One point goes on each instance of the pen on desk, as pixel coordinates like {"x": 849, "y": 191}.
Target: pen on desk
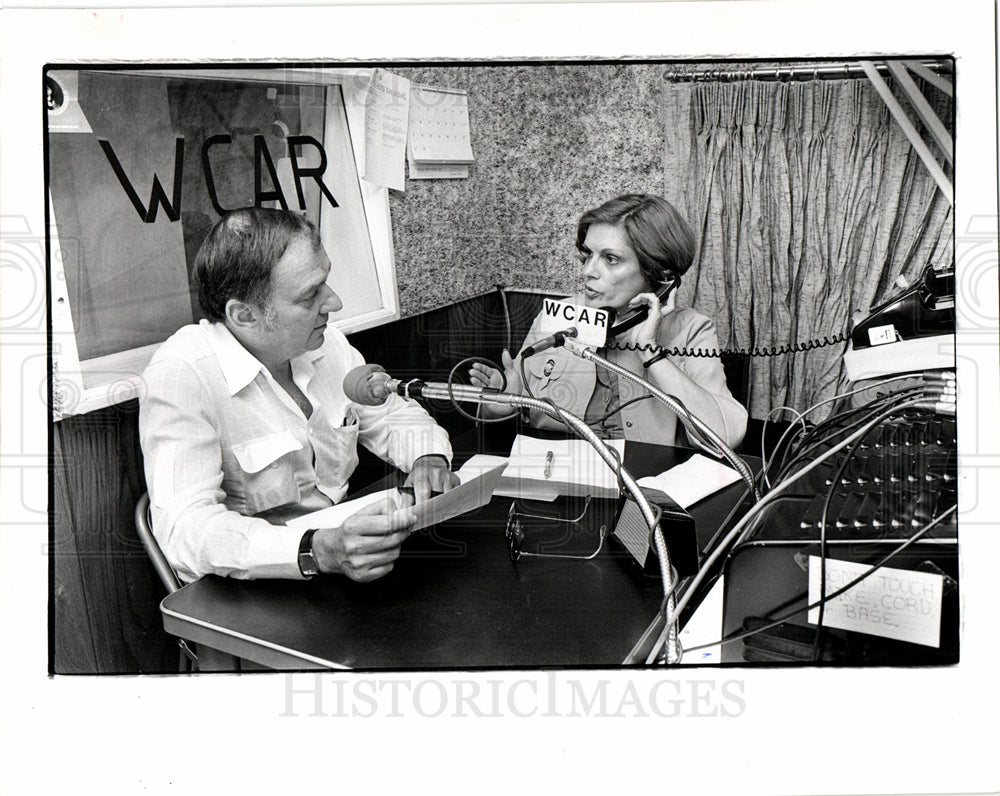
{"x": 548, "y": 464}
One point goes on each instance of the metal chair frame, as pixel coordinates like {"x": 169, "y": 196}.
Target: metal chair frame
{"x": 144, "y": 529}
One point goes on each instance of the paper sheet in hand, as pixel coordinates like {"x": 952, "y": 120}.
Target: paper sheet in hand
{"x": 479, "y": 465}
{"x": 693, "y": 480}
{"x": 334, "y": 516}
{"x": 468, "y": 496}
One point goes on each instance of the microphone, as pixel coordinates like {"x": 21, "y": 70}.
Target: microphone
{"x": 552, "y": 341}
{"x": 439, "y": 390}
{"x": 370, "y": 385}
{"x": 367, "y": 385}
{"x": 596, "y": 331}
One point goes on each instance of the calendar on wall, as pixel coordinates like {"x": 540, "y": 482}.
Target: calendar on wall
{"x": 439, "y": 140}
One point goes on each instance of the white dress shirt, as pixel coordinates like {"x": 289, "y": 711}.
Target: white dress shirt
{"x": 230, "y": 457}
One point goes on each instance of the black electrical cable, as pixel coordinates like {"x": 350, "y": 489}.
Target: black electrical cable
{"x": 850, "y": 585}
{"x": 524, "y": 378}
{"x": 798, "y": 423}
{"x": 737, "y": 531}
{"x": 527, "y": 389}
{"x": 832, "y": 437}
{"x": 843, "y": 417}
{"x": 848, "y": 457}
{"x": 457, "y": 406}
{"x": 615, "y": 411}
{"x": 756, "y": 521}
{"x": 829, "y": 438}
{"x": 508, "y": 332}
{"x": 614, "y": 451}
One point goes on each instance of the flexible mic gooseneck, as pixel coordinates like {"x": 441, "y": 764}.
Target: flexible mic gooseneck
{"x": 376, "y": 383}
{"x": 370, "y": 385}
{"x": 673, "y": 403}
{"x": 552, "y": 341}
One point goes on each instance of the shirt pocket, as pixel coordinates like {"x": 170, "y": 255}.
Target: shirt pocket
{"x": 267, "y": 481}
{"x": 336, "y": 450}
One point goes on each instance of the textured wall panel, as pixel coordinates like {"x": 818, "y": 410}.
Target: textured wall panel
{"x": 550, "y": 141}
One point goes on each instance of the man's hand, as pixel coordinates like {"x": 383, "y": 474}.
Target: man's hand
{"x": 366, "y": 546}
{"x": 430, "y": 474}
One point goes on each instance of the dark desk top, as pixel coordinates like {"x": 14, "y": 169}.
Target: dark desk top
{"x": 454, "y": 598}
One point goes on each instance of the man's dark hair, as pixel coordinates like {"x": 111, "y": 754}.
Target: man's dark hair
{"x": 237, "y": 257}
{"x": 659, "y": 235}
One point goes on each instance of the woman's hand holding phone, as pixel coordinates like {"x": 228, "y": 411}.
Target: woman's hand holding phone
{"x": 645, "y": 333}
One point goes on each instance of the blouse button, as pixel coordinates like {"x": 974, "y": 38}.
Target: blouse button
{"x": 628, "y": 423}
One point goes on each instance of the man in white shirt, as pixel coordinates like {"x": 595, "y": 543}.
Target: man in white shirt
{"x": 244, "y": 423}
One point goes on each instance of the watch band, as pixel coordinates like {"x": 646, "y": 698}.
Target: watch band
{"x": 307, "y": 561}
{"x": 652, "y": 360}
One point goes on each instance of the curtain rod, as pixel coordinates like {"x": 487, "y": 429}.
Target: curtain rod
{"x": 844, "y": 70}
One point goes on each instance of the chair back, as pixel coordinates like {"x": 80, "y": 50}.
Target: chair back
{"x": 737, "y": 369}
{"x": 144, "y": 528}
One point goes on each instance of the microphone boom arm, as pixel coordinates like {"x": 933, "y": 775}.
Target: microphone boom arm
{"x": 674, "y": 404}
{"x": 416, "y": 388}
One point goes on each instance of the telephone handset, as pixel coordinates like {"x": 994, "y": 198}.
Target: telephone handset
{"x": 635, "y": 317}
{"x": 924, "y": 309}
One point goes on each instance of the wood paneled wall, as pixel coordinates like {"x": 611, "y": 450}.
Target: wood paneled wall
{"x": 105, "y": 594}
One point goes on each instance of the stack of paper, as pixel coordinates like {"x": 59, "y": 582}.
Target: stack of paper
{"x": 540, "y": 469}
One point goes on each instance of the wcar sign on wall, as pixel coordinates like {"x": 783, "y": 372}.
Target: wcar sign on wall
{"x": 141, "y": 164}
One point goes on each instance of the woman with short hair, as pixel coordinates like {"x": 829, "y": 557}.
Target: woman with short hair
{"x": 632, "y": 249}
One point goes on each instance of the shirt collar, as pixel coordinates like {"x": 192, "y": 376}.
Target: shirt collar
{"x": 239, "y": 366}
{"x": 304, "y": 365}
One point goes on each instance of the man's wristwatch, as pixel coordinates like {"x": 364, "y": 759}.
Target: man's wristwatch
{"x": 307, "y": 561}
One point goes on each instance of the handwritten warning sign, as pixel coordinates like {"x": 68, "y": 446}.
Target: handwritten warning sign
{"x": 892, "y": 603}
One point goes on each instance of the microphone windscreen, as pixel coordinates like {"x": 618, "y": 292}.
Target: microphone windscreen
{"x": 359, "y": 388}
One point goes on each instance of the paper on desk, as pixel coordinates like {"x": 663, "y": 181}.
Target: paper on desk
{"x": 508, "y": 487}
{"x": 693, "y": 480}
{"x": 568, "y": 465}
{"x": 573, "y": 468}
{"x": 468, "y": 496}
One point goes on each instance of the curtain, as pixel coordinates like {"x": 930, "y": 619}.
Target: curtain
{"x": 809, "y": 204}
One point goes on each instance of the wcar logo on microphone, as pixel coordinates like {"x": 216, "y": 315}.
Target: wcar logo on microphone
{"x": 591, "y": 324}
